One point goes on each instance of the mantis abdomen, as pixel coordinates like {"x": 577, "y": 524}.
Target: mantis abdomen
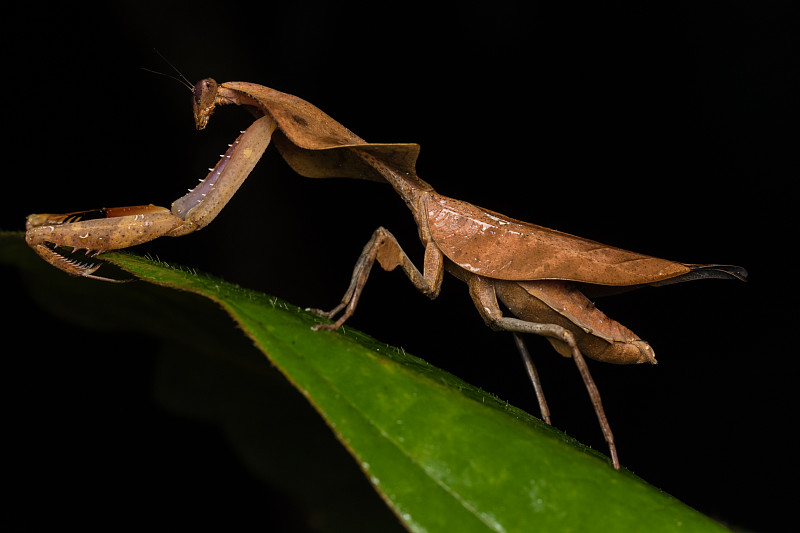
{"x": 560, "y": 302}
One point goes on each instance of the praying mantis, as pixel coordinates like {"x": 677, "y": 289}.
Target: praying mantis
{"x": 542, "y": 276}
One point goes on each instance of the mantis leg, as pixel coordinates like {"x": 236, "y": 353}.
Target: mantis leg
{"x": 384, "y": 247}
{"x": 101, "y": 230}
{"x": 483, "y": 294}
{"x": 533, "y": 374}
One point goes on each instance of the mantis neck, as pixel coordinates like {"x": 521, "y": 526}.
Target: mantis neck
{"x": 275, "y": 104}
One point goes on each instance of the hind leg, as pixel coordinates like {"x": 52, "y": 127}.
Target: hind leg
{"x": 483, "y": 294}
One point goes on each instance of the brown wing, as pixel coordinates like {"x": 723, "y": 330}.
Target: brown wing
{"x": 499, "y": 247}
{"x": 315, "y": 145}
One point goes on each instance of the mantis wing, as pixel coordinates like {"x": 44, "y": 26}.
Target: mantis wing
{"x": 499, "y": 247}
{"x": 476, "y": 239}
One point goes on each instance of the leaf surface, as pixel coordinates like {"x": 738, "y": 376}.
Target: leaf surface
{"x": 444, "y": 455}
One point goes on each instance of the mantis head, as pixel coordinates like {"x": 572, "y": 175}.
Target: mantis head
{"x": 204, "y": 99}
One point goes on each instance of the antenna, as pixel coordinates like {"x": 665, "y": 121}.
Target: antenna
{"x": 180, "y": 78}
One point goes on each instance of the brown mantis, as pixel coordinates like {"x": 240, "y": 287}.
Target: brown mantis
{"x": 540, "y": 275}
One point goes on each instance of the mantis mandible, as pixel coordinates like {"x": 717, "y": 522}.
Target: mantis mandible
{"x": 542, "y": 276}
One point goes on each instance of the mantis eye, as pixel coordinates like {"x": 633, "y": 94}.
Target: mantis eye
{"x": 204, "y": 92}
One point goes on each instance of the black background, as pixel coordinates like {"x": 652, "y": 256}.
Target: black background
{"x": 666, "y": 129}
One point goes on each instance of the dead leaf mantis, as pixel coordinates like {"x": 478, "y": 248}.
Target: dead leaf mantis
{"x": 540, "y": 275}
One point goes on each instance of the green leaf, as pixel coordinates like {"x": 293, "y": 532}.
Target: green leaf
{"x": 445, "y": 456}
